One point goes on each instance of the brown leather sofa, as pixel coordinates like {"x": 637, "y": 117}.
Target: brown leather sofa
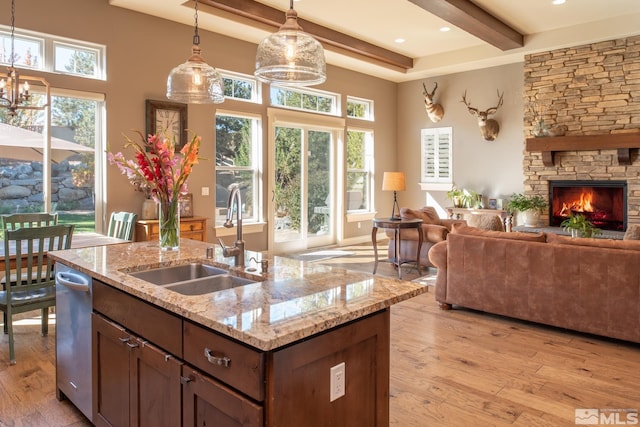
{"x": 433, "y": 230}
{"x": 587, "y": 285}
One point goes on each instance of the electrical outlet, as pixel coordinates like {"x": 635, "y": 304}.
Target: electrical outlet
{"x": 205, "y": 191}
{"x": 337, "y": 382}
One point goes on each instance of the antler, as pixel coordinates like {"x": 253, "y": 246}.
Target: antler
{"x": 426, "y": 92}
{"x": 494, "y": 109}
{"x": 472, "y": 110}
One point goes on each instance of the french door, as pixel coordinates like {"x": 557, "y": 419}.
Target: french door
{"x": 302, "y": 193}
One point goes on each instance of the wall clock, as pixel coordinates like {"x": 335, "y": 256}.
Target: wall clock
{"x": 169, "y": 118}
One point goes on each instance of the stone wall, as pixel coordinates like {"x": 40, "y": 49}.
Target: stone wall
{"x": 21, "y": 188}
{"x": 585, "y": 90}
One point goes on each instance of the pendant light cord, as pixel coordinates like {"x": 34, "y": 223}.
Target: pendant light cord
{"x": 196, "y": 36}
{"x": 13, "y": 27}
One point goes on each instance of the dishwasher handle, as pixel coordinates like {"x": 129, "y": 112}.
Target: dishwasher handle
{"x": 72, "y": 281}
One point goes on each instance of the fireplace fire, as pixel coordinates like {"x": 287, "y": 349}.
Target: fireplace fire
{"x": 604, "y": 203}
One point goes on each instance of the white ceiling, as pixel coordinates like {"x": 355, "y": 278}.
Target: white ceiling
{"x": 380, "y": 22}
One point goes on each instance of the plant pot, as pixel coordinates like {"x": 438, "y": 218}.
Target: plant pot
{"x": 531, "y": 218}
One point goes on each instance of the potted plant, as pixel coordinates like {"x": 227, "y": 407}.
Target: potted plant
{"x": 529, "y": 206}
{"x": 579, "y": 226}
{"x": 456, "y": 195}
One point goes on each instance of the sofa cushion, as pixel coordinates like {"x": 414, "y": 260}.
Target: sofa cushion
{"x": 486, "y": 222}
{"x": 427, "y": 214}
{"x": 632, "y": 233}
{"x": 472, "y": 231}
{"x": 597, "y": 243}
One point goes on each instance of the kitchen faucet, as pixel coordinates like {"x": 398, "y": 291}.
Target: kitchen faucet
{"x": 237, "y": 250}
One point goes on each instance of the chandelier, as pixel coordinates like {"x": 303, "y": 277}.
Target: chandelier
{"x": 14, "y": 89}
{"x": 291, "y": 56}
{"x": 195, "y": 81}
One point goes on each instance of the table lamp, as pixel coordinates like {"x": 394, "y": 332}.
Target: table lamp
{"x": 394, "y": 181}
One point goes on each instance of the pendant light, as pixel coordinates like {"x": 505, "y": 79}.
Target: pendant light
{"x": 195, "y": 81}
{"x": 14, "y": 89}
{"x": 291, "y": 56}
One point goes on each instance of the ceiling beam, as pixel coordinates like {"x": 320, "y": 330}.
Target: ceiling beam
{"x": 474, "y": 20}
{"x": 272, "y": 17}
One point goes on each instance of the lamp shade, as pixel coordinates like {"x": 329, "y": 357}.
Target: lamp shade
{"x": 393, "y": 181}
{"x": 195, "y": 82}
{"x": 291, "y": 56}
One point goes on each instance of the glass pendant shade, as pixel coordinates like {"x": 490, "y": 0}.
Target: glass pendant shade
{"x": 195, "y": 82}
{"x": 291, "y": 56}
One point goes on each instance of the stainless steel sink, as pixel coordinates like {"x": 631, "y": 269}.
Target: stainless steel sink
{"x": 178, "y": 273}
{"x": 207, "y": 285}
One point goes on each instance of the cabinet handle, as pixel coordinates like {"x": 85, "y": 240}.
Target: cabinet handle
{"x": 124, "y": 340}
{"x": 220, "y": 361}
{"x": 191, "y": 227}
{"x": 132, "y": 344}
{"x": 185, "y": 380}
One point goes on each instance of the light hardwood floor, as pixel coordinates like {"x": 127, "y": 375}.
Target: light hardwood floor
{"x": 448, "y": 368}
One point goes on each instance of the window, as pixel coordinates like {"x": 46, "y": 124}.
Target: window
{"x": 359, "y": 170}
{"x": 237, "y": 162}
{"x": 436, "y": 155}
{"x": 305, "y": 99}
{"x": 76, "y": 60}
{"x": 53, "y": 54}
{"x": 240, "y": 86}
{"x": 28, "y": 51}
{"x": 359, "y": 108}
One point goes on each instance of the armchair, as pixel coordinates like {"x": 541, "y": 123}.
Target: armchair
{"x": 433, "y": 229}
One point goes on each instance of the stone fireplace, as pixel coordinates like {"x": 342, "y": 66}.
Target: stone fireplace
{"x": 604, "y": 203}
{"x": 590, "y": 92}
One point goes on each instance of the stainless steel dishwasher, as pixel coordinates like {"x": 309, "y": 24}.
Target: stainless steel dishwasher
{"x": 73, "y": 338}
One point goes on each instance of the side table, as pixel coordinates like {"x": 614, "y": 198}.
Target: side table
{"x": 396, "y": 226}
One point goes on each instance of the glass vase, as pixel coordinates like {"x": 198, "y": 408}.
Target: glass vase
{"x": 169, "y": 219}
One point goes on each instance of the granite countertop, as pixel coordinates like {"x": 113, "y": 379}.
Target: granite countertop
{"x": 292, "y": 301}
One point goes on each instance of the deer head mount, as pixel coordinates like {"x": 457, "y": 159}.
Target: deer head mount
{"x": 489, "y": 128}
{"x": 434, "y": 111}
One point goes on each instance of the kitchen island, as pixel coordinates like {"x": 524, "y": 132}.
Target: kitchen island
{"x": 302, "y": 344}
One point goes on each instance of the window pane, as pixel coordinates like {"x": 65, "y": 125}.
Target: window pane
{"x": 359, "y": 108}
{"x": 233, "y": 141}
{"x": 357, "y": 190}
{"x": 73, "y": 60}
{"x": 27, "y": 51}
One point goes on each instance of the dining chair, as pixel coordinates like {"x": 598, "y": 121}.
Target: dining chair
{"x": 31, "y": 284}
{"x": 122, "y": 225}
{"x": 27, "y": 220}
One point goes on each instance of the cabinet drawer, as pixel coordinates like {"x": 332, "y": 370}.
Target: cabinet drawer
{"x": 245, "y": 370}
{"x": 154, "y": 324}
{"x": 187, "y": 225}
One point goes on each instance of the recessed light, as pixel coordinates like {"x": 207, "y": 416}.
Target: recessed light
{"x": 445, "y": 29}
{"x": 557, "y": 2}
{"x": 399, "y": 40}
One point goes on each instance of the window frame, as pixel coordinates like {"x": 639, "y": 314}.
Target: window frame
{"x": 257, "y": 168}
{"x": 442, "y": 136}
{"x": 49, "y": 43}
{"x": 334, "y": 97}
{"x": 256, "y": 87}
{"x": 369, "y": 163}
{"x": 368, "y": 103}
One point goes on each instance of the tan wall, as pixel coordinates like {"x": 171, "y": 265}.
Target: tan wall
{"x": 492, "y": 169}
{"x": 141, "y": 50}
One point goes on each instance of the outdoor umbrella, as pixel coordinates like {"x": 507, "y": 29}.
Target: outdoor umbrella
{"x": 22, "y": 144}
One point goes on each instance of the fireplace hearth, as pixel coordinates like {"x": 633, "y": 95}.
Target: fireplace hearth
{"x": 604, "y": 203}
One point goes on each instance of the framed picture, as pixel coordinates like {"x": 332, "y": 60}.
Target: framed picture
{"x": 493, "y": 204}
{"x": 169, "y": 118}
{"x": 186, "y": 205}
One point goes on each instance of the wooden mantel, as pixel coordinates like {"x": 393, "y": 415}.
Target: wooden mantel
{"x": 623, "y": 142}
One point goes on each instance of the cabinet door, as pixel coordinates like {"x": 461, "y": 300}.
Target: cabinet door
{"x": 111, "y": 348}
{"x": 155, "y": 387}
{"x": 206, "y": 402}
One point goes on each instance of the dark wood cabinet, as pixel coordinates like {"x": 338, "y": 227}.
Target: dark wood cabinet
{"x": 194, "y": 228}
{"x": 193, "y": 376}
{"x": 207, "y": 402}
{"x": 136, "y": 384}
